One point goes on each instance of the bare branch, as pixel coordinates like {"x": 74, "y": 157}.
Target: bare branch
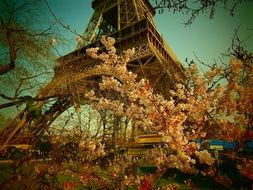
{"x": 195, "y": 8}
{"x": 60, "y": 22}
{"x": 23, "y": 41}
{"x": 21, "y": 100}
{"x": 201, "y": 61}
{"x": 9, "y": 104}
{"x": 21, "y": 82}
{"x": 12, "y": 52}
{"x": 238, "y": 49}
{"x": 6, "y": 97}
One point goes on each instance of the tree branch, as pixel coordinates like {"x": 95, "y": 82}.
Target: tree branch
{"x": 12, "y": 53}
{"x": 194, "y": 8}
{"x": 21, "y": 100}
{"x": 61, "y": 23}
{"x": 9, "y": 104}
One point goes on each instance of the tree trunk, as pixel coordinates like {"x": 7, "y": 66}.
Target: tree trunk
{"x": 12, "y": 51}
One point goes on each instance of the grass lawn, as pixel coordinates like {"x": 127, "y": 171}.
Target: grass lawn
{"x": 172, "y": 176}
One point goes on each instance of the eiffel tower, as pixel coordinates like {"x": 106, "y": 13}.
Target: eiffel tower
{"x": 131, "y": 24}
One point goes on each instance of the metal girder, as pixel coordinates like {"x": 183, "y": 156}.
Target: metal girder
{"x": 127, "y": 13}
{"x": 130, "y": 22}
{"x": 28, "y": 129}
{"x": 91, "y": 29}
{"x": 141, "y": 52}
{"x": 132, "y": 11}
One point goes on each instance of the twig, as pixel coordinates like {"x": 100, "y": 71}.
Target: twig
{"x": 201, "y": 61}
{"x": 60, "y": 22}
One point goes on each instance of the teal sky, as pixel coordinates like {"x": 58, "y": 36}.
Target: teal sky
{"x": 207, "y": 38}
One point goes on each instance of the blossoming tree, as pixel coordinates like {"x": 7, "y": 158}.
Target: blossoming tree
{"x": 203, "y": 109}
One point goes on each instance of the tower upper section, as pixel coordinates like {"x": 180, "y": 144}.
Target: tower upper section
{"x": 111, "y": 16}
{"x": 122, "y": 13}
{"x": 130, "y": 23}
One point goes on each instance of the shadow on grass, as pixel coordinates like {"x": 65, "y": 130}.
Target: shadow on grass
{"x": 199, "y": 182}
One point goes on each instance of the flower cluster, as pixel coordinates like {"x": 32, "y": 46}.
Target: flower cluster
{"x": 205, "y": 157}
{"x": 151, "y": 112}
{"x": 205, "y": 109}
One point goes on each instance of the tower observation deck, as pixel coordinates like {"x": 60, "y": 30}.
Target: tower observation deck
{"x": 131, "y": 23}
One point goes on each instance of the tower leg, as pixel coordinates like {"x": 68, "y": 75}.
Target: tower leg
{"x": 115, "y": 132}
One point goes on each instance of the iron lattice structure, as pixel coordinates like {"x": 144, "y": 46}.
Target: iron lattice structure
{"x": 131, "y": 23}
